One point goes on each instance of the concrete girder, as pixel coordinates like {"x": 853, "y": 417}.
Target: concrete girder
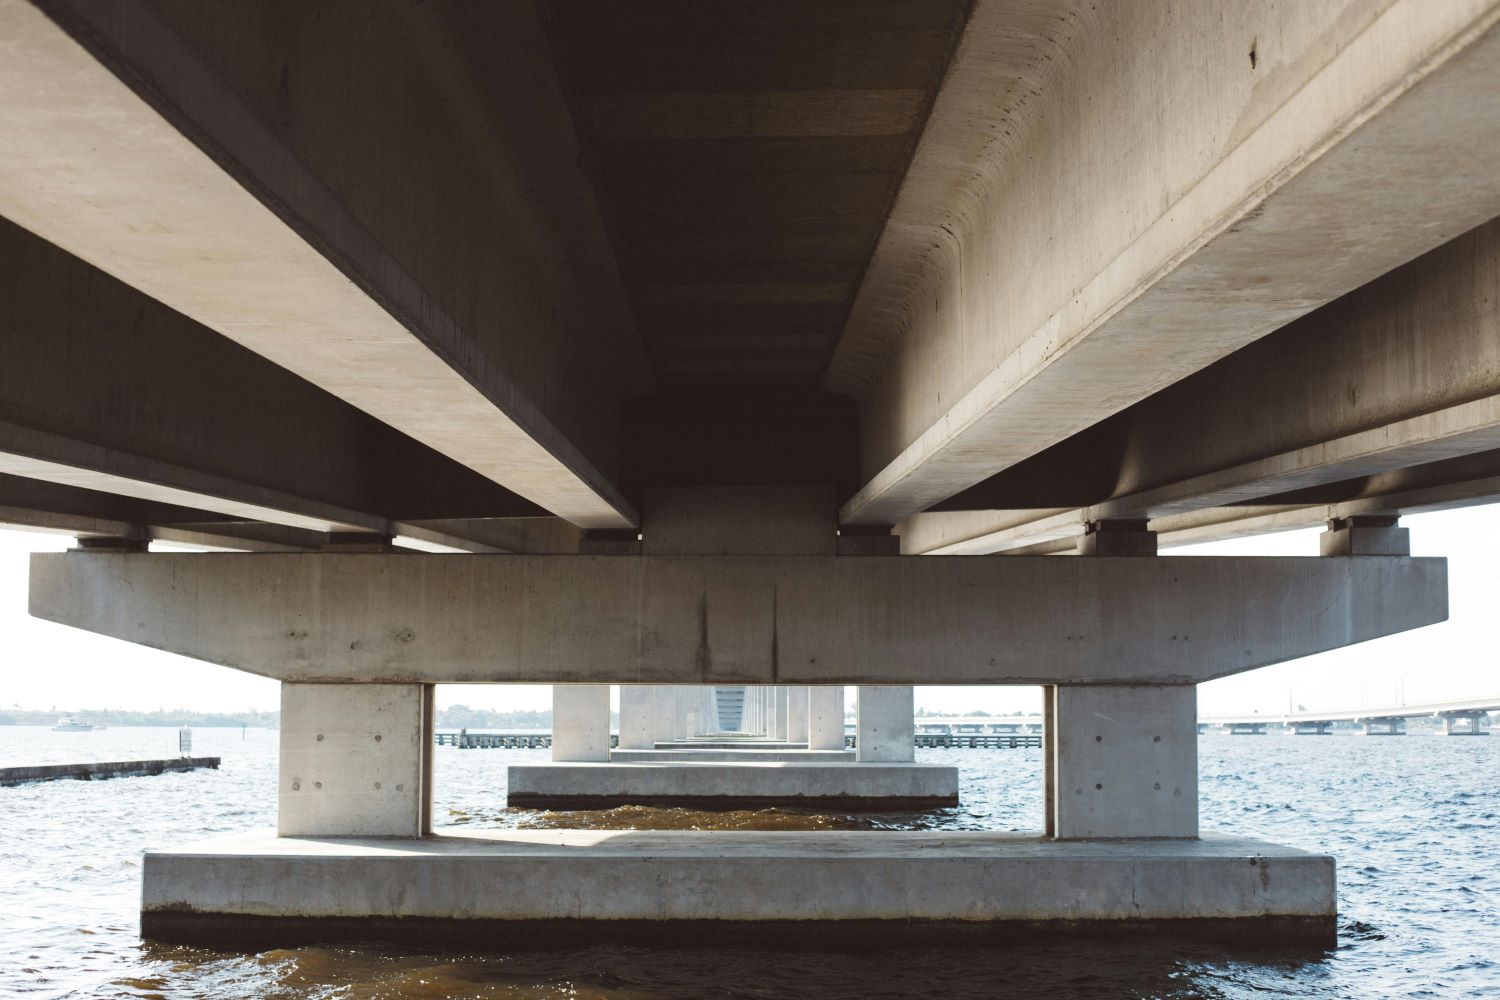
{"x": 66, "y": 510}
{"x": 1391, "y": 388}
{"x": 755, "y": 620}
{"x": 283, "y": 267}
{"x": 103, "y": 388}
{"x": 1365, "y": 139}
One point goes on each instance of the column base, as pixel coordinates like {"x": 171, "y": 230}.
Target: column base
{"x": 739, "y": 785}
{"x": 860, "y": 889}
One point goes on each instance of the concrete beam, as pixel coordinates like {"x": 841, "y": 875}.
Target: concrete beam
{"x": 1392, "y": 387}
{"x": 165, "y": 171}
{"x": 105, "y": 389}
{"x": 67, "y": 510}
{"x": 1132, "y": 220}
{"x": 738, "y": 619}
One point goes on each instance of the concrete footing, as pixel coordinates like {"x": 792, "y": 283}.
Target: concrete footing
{"x": 843, "y": 787}
{"x": 734, "y": 755}
{"x": 858, "y": 889}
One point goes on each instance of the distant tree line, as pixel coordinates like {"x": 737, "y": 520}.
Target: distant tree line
{"x": 159, "y": 717}
{"x": 464, "y": 717}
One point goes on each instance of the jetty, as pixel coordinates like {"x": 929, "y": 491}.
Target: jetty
{"x": 100, "y": 770}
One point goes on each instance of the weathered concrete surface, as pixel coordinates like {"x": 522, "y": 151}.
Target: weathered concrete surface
{"x": 1130, "y": 220}
{"x": 1125, "y": 761}
{"x": 884, "y": 724}
{"x": 573, "y": 885}
{"x": 92, "y": 167}
{"x": 788, "y": 620}
{"x": 356, "y": 760}
{"x": 728, "y": 786}
{"x": 580, "y": 722}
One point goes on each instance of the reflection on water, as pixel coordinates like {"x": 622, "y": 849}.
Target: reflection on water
{"x": 1415, "y": 823}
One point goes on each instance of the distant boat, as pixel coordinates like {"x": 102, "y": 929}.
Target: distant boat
{"x": 68, "y": 724}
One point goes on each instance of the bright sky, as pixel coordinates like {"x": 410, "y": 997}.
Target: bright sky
{"x": 54, "y": 668}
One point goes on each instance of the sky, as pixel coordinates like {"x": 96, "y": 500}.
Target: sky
{"x": 55, "y": 668}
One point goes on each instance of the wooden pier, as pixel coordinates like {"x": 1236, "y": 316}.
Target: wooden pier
{"x": 101, "y": 770}
{"x": 465, "y": 740}
{"x": 978, "y": 741}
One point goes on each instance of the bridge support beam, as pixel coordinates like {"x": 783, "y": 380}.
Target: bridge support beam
{"x": 356, "y": 760}
{"x": 1124, "y": 761}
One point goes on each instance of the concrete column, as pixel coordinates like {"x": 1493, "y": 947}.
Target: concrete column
{"x": 885, "y": 724}
{"x": 783, "y": 720}
{"x": 637, "y": 725}
{"x": 580, "y": 722}
{"x": 356, "y": 760}
{"x": 683, "y": 726}
{"x": 663, "y": 709}
{"x": 1124, "y": 761}
{"x": 825, "y": 718}
{"x": 796, "y": 714}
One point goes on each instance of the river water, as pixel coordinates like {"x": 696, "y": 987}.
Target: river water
{"x": 1413, "y": 821}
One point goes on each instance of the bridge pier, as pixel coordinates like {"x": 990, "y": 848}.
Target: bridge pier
{"x": 1392, "y": 725}
{"x": 1247, "y": 729}
{"x": 637, "y": 717}
{"x": 580, "y": 722}
{"x": 1121, "y": 841}
{"x": 1311, "y": 727}
{"x": 1464, "y": 723}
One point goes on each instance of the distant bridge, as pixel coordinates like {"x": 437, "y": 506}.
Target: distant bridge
{"x": 1461, "y": 717}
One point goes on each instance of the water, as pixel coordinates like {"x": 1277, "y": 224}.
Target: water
{"x": 1414, "y": 822}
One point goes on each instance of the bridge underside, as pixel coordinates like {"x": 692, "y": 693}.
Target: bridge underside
{"x": 676, "y": 332}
